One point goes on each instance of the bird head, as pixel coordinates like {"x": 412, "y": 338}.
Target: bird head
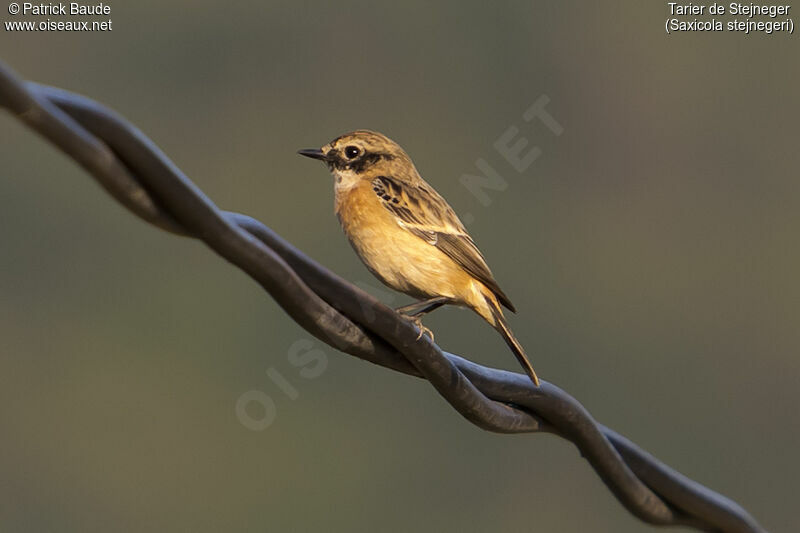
{"x": 361, "y": 154}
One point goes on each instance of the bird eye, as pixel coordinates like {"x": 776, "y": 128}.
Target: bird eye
{"x": 351, "y": 152}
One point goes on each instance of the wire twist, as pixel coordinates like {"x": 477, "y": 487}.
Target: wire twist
{"x": 131, "y": 168}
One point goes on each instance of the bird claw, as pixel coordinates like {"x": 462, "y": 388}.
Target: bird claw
{"x": 417, "y": 321}
{"x": 423, "y": 330}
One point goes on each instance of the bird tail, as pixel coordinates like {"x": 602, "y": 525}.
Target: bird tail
{"x": 501, "y": 326}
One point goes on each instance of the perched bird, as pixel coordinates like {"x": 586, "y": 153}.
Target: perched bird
{"x": 408, "y": 236}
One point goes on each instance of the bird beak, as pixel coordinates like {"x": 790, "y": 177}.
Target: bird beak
{"x": 313, "y": 153}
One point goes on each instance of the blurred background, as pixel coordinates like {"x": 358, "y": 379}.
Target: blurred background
{"x": 651, "y": 250}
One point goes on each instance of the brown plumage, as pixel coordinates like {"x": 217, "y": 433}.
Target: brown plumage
{"x": 406, "y": 233}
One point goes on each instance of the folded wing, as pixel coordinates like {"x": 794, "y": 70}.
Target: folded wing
{"x": 423, "y": 212}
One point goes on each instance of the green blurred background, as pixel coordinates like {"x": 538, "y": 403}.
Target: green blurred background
{"x": 651, "y": 250}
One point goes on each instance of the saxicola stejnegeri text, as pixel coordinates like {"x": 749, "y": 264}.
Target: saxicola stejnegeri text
{"x": 408, "y": 236}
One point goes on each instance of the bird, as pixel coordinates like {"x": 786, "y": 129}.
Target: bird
{"x": 408, "y": 236}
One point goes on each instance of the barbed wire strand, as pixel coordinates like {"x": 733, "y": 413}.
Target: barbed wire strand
{"x": 130, "y": 167}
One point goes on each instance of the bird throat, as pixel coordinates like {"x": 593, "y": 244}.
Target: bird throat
{"x": 345, "y": 179}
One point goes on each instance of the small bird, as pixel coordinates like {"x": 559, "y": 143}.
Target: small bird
{"x": 408, "y": 236}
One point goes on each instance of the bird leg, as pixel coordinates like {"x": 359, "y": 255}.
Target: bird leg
{"x": 422, "y": 307}
{"x": 414, "y": 312}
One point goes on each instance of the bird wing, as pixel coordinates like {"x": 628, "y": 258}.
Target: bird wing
{"x": 423, "y": 212}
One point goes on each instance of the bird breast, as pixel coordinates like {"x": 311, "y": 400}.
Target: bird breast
{"x": 400, "y": 259}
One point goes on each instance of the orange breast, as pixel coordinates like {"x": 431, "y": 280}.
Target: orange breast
{"x": 397, "y": 257}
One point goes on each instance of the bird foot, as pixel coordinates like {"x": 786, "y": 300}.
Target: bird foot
{"x": 417, "y": 321}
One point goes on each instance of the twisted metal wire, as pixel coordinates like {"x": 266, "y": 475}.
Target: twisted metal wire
{"x": 131, "y": 168}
